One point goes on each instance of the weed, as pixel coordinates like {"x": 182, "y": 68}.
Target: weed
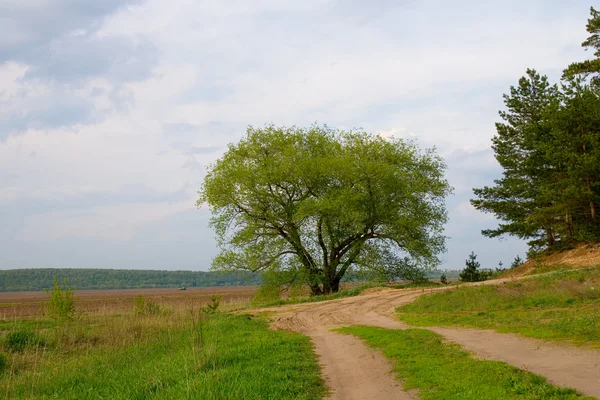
{"x": 213, "y": 306}
{"x": 142, "y": 306}
{"x": 61, "y": 306}
{"x": 19, "y": 340}
{"x": 4, "y": 362}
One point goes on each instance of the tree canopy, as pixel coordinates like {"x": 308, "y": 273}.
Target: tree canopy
{"x": 318, "y": 202}
{"x": 549, "y": 147}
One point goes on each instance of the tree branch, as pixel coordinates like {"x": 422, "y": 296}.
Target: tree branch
{"x": 322, "y": 242}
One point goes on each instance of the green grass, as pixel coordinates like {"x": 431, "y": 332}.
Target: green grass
{"x": 425, "y": 284}
{"x": 443, "y": 371}
{"x": 6, "y": 324}
{"x": 562, "y": 305}
{"x": 355, "y": 291}
{"x": 225, "y": 357}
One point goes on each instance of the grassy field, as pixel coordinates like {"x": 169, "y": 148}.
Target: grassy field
{"x": 173, "y": 353}
{"x": 561, "y": 305}
{"x": 443, "y": 371}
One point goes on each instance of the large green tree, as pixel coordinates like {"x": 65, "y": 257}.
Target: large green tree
{"x": 317, "y": 202}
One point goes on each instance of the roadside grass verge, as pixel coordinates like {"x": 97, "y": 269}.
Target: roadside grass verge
{"x": 180, "y": 355}
{"x": 424, "y": 284}
{"x": 561, "y": 305}
{"x": 355, "y": 291}
{"x": 443, "y": 371}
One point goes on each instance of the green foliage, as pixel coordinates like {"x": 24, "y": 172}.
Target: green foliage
{"x": 471, "y": 273}
{"x": 320, "y": 202}
{"x": 274, "y": 283}
{"x": 517, "y": 262}
{"x": 83, "y": 279}
{"x": 21, "y": 339}
{"x": 212, "y": 307}
{"x": 562, "y": 305}
{"x": 588, "y": 67}
{"x": 61, "y": 306}
{"x": 4, "y": 363}
{"x": 146, "y": 307}
{"x": 240, "y": 358}
{"x": 549, "y": 147}
{"x": 440, "y": 370}
{"x": 443, "y": 279}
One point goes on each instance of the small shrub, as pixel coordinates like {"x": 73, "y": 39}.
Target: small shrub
{"x": 266, "y": 294}
{"x": 61, "y": 306}
{"x": 4, "y": 363}
{"x": 142, "y": 306}
{"x": 443, "y": 279}
{"x": 213, "y": 306}
{"x": 19, "y": 340}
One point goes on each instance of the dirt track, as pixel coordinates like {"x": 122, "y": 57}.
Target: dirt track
{"x": 353, "y": 375}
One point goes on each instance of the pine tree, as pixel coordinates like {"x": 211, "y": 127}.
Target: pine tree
{"x": 516, "y": 262}
{"x": 515, "y": 198}
{"x": 575, "y": 149}
{"x": 471, "y": 273}
{"x": 588, "y": 67}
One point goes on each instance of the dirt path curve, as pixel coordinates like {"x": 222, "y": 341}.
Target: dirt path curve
{"x": 563, "y": 365}
{"x": 353, "y": 371}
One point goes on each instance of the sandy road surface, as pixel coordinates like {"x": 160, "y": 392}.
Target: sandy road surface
{"x": 350, "y": 376}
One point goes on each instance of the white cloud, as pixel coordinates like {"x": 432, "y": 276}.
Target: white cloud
{"x": 118, "y": 222}
{"x": 195, "y": 74}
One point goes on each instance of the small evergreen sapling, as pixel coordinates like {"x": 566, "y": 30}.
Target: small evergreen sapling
{"x": 472, "y": 273}
{"x": 517, "y": 262}
{"x": 443, "y": 279}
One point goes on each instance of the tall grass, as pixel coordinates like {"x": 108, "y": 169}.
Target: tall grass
{"x": 183, "y": 354}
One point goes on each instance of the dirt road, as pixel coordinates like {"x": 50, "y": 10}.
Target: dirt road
{"x": 353, "y": 374}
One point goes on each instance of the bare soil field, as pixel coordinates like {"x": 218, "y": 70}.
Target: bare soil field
{"x": 29, "y": 304}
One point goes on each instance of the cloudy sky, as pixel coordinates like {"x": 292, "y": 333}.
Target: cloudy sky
{"x": 110, "y": 110}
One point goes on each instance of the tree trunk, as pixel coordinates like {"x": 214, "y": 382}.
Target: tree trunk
{"x": 549, "y": 238}
{"x": 315, "y": 290}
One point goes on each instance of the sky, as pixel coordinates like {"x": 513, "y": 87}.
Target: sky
{"x": 110, "y": 111}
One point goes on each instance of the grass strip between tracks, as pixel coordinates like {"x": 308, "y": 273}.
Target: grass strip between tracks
{"x": 444, "y": 371}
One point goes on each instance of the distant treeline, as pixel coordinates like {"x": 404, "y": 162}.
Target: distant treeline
{"x": 39, "y": 279}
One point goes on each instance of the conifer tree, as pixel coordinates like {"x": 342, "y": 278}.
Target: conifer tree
{"x": 587, "y": 67}
{"x": 514, "y": 198}
{"x": 471, "y": 273}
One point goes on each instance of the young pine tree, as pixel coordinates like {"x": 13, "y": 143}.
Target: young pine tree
{"x": 471, "y": 273}
{"x": 516, "y": 262}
